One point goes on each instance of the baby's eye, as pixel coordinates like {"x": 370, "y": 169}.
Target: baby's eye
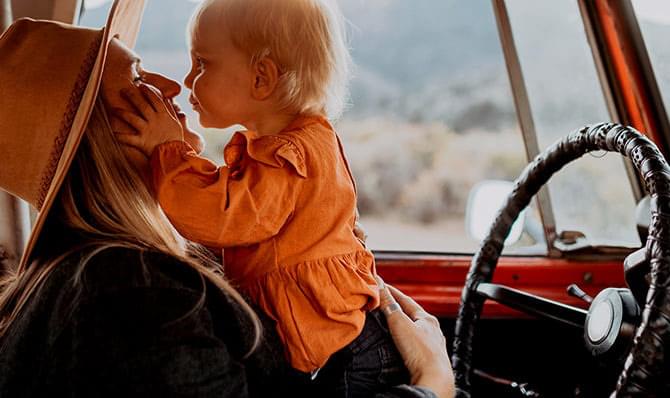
{"x": 200, "y": 62}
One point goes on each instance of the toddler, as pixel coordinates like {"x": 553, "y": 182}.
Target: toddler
{"x": 283, "y": 209}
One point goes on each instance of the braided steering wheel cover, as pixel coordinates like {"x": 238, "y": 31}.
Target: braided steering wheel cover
{"x": 645, "y": 366}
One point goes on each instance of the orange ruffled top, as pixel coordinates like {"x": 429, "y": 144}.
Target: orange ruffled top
{"x": 283, "y": 211}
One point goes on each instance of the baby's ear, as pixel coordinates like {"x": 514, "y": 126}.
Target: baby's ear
{"x": 266, "y": 77}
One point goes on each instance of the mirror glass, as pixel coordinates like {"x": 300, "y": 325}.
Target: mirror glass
{"x": 485, "y": 200}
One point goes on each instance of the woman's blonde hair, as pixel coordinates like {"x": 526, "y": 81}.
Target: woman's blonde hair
{"x": 105, "y": 199}
{"x": 305, "y": 38}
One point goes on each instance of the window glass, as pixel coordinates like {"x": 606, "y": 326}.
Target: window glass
{"x": 431, "y": 112}
{"x": 592, "y": 194}
{"x": 431, "y": 115}
{"x": 654, "y": 20}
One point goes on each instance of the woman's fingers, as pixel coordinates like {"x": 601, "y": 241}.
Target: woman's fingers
{"x": 405, "y": 299}
{"x": 411, "y": 307}
{"x": 389, "y": 305}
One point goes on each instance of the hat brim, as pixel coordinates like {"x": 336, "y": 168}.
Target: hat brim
{"x": 123, "y": 23}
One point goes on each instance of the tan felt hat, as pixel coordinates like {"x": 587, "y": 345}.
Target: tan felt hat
{"x": 49, "y": 79}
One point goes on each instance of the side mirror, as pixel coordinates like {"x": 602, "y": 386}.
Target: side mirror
{"x": 484, "y": 201}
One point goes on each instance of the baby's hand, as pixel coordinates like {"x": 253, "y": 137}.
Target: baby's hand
{"x": 154, "y": 122}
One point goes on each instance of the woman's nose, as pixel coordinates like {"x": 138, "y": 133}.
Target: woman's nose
{"x": 168, "y": 87}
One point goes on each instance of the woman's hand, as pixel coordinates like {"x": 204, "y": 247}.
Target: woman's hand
{"x": 155, "y": 121}
{"x": 359, "y": 231}
{"x": 419, "y": 340}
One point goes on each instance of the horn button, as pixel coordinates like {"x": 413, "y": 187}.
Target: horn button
{"x": 610, "y": 324}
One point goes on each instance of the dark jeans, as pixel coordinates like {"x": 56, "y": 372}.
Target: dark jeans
{"x": 368, "y": 365}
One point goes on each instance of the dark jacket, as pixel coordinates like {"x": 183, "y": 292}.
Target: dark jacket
{"x": 131, "y": 326}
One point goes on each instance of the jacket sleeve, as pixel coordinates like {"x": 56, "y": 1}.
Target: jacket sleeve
{"x": 219, "y": 206}
{"x": 150, "y": 341}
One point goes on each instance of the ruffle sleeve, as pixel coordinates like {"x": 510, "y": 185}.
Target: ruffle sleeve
{"x": 320, "y": 305}
{"x": 271, "y": 150}
{"x": 245, "y": 202}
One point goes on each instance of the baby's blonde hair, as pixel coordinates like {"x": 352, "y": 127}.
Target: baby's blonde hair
{"x": 305, "y": 38}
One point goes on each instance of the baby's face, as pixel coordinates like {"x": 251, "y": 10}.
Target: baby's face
{"x": 220, "y": 78}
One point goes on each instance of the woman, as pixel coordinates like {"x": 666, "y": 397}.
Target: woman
{"x": 108, "y": 300}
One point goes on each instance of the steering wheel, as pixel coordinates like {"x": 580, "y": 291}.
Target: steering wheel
{"x": 645, "y": 371}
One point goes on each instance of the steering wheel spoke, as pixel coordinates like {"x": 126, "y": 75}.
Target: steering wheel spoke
{"x": 532, "y": 304}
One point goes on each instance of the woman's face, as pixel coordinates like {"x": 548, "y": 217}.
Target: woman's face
{"x": 123, "y": 70}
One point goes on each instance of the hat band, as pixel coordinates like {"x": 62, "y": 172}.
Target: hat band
{"x": 76, "y": 96}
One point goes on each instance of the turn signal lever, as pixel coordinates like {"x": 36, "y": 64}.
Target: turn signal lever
{"x": 575, "y": 291}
